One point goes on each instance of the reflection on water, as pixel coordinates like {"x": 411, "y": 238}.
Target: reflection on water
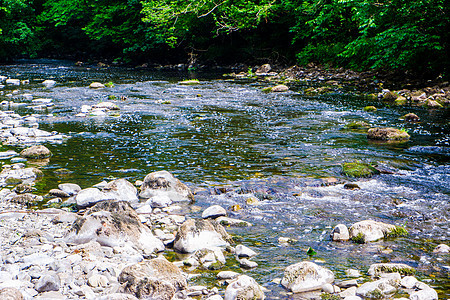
{"x": 286, "y": 149}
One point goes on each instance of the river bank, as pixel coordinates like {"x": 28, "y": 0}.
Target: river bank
{"x": 274, "y": 160}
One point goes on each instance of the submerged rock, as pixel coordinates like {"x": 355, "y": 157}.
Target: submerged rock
{"x": 358, "y": 169}
{"x": 370, "y": 231}
{"x": 153, "y": 279}
{"x": 387, "y": 134}
{"x": 194, "y": 235}
{"x": 113, "y": 223}
{"x": 244, "y": 288}
{"x": 306, "y": 276}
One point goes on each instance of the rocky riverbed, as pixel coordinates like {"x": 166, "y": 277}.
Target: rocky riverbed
{"x": 288, "y": 191}
{"x": 113, "y": 248}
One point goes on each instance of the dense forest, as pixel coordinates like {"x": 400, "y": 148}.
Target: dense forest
{"x": 396, "y": 35}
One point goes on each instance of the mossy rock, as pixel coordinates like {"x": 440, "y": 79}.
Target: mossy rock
{"x": 36, "y": 152}
{"x": 267, "y": 89}
{"x": 390, "y": 96}
{"x": 357, "y": 125}
{"x": 189, "y": 82}
{"x": 370, "y": 108}
{"x": 400, "y": 101}
{"x": 358, "y": 169}
{"x": 387, "y": 134}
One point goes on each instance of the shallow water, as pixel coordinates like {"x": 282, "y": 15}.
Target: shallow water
{"x": 286, "y": 149}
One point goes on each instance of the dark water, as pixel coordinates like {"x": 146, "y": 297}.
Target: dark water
{"x": 286, "y": 149}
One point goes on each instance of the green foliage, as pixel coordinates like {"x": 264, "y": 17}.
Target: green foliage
{"x": 360, "y": 34}
{"x": 358, "y": 169}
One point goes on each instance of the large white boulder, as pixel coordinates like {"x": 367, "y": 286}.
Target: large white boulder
{"x": 306, "y": 276}
{"x": 194, "y": 235}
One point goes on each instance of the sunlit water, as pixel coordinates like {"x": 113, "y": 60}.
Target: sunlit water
{"x": 286, "y": 149}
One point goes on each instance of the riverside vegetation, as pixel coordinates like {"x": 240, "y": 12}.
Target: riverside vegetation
{"x": 261, "y": 212}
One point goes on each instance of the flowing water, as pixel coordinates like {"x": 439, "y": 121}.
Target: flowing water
{"x": 228, "y": 140}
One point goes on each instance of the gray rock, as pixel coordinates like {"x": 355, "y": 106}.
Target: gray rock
{"x": 340, "y": 233}
{"x": 442, "y": 248}
{"x": 90, "y": 196}
{"x": 117, "y": 296}
{"x": 352, "y": 273}
{"x": 227, "y": 275}
{"x": 243, "y": 251}
{"x": 194, "y": 235}
{"x": 347, "y": 283}
{"x": 244, "y": 288}
{"x": 52, "y": 295}
{"x": 98, "y": 280}
{"x": 280, "y": 88}
{"x": 263, "y": 69}
{"x": 353, "y": 298}
{"x": 408, "y": 282}
{"x": 105, "y": 106}
{"x": 306, "y": 276}
{"x": 10, "y": 294}
{"x": 58, "y": 193}
{"x": 11, "y": 81}
{"x": 369, "y": 231}
{"x": 426, "y": 294}
{"x": 233, "y": 222}
{"x": 36, "y": 152}
{"x": 96, "y": 85}
{"x": 69, "y": 188}
{"x": 214, "y": 212}
{"x": 208, "y": 258}
{"x": 49, "y": 83}
{"x": 156, "y": 279}
{"x": 65, "y": 217}
{"x": 379, "y": 287}
{"x": 350, "y": 292}
{"x": 19, "y": 175}
{"x": 328, "y": 288}
{"x": 121, "y": 189}
{"x": 247, "y": 264}
{"x": 113, "y": 223}
{"x": 164, "y": 185}
{"x": 47, "y": 283}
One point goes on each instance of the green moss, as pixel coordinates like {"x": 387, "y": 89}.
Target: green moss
{"x": 398, "y": 231}
{"x": 401, "y": 101}
{"x": 370, "y": 108}
{"x": 357, "y": 125}
{"x": 109, "y": 84}
{"x": 112, "y": 97}
{"x": 267, "y": 89}
{"x": 359, "y": 239}
{"x": 375, "y": 294}
{"x": 328, "y": 296}
{"x": 358, "y": 169}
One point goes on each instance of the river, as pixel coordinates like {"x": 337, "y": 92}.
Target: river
{"x": 228, "y": 141}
